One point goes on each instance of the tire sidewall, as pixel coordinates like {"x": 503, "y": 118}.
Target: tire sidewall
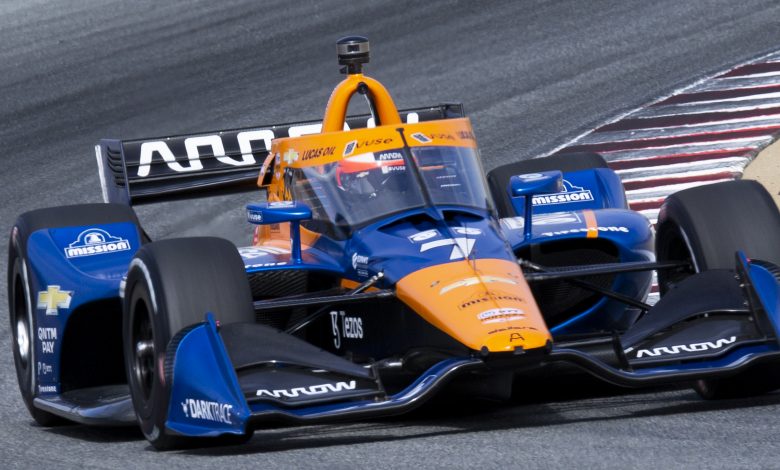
{"x": 18, "y": 269}
{"x": 151, "y": 413}
{"x": 177, "y": 279}
{"x": 24, "y": 375}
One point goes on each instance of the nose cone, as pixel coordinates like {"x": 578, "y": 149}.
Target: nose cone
{"x": 481, "y": 303}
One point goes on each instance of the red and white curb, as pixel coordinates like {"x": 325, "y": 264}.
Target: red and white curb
{"x": 701, "y": 134}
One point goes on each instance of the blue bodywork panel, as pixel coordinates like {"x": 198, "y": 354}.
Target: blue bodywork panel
{"x": 598, "y": 188}
{"x": 69, "y": 268}
{"x": 206, "y": 399}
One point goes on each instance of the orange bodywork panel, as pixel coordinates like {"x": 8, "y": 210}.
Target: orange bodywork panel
{"x": 481, "y": 303}
{"x": 321, "y": 149}
{"x": 336, "y": 112}
{"x": 334, "y": 144}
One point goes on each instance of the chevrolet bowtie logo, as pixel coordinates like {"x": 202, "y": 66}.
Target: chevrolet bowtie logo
{"x": 53, "y": 299}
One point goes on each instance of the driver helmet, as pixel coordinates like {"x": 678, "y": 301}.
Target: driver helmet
{"x": 370, "y": 174}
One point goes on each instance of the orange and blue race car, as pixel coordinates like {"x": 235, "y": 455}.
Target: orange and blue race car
{"x": 385, "y": 267}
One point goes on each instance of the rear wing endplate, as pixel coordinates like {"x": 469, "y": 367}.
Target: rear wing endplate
{"x": 153, "y": 170}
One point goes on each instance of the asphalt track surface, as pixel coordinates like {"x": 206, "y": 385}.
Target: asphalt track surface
{"x": 531, "y": 74}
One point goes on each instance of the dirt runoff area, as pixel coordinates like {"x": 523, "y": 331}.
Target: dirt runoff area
{"x": 765, "y": 169}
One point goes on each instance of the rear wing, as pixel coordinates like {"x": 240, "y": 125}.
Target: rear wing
{"x": 161, "y": 169}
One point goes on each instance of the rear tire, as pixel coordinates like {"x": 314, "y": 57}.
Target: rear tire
{"x": 171, "y": 284}
{"x": 706, "y": 226}
{"x": 498, "y": 178}
{"x": 21, "y": 313}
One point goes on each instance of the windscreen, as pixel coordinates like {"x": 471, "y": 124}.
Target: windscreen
{"x": 361, "y": 188}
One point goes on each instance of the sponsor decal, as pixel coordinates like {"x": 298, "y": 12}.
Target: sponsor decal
{"x": 334, "y": 323}
{"x": 253, "y": 216}
{"x": 514, "y": 223}
{"x": 47, "y": 389}
{"x": 461, "y": 246}
{"x": 422, "y": 236}
{"x": 358, "y": 260}
{"x": 420, "y": 137}
{"x": 467, "y": 230}
{"x": 45, "y": 369}
{"x": 290, "y": 156}
{"x": 278, "y": 158}
{"x": 679, "y": 348}
{"x": 95, "y": 241}
{"x": 508, "y": 328}
{"x": 53, "y": 299}
{"x": 349, "y": 148}
{"x": 360, "y": 264}
{"x": 466, "y": 135}
{"x": 531, "y": 176}
{"x": 570, "y": 193}
{"x": 497, "y": 315}
{"x": 214, "y": 147}
{"x": 389, "y": 169}
{"x": 586, "y": 230}
{"x": 317, "y": 153}
{"x": 389, "y": 156}
{"x": 554, "y": 218}
{"x": 277, "y": 204}
{"x": 344, "y": 326}
{"x": 47, "y": 337}
{"x": 489, "y": 297}
{"x": 470, "y": 281}
{"x": 443, "y": 136}
{"x": 207, "y": 410}
{"x": 359, "y": 144}
{"x": 264, "y": 265}
{"x": 254, "y": 252}
{"x": 432, "y": 233}
{"x": 313, "y": 390}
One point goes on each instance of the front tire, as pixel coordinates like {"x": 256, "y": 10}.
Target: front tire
{"x": 706, "y": 226}
{"x": 171, "y": 284}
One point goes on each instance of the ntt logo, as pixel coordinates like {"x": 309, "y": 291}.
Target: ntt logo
{"x": 95, "y": 241}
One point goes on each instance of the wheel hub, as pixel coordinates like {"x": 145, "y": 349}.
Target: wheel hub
{"x": 23, "y": 341}
{"x": 143, "y": 352}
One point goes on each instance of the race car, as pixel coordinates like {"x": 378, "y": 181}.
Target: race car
{"x": 384, "y": 268}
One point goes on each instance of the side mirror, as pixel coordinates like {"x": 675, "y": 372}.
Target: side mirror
{"x": 530, "y": 184}
{"x": 527, "y": 186}
{"x": 278, "y": 212}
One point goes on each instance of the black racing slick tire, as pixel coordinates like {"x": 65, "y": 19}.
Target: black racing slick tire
{"x": 498, "y": 178}
{"x": 20, "y": 296}
{"x": 706, "y": 226}
{"x": 171, "y": 284}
